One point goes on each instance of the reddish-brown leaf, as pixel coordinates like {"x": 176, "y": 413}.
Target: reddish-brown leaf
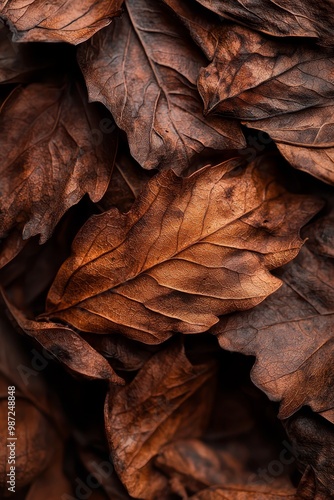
{"x": 189, "y": 250}
{"x": 253, "y": 76}
{"x": 245, "y": 493}
{"x": 168, "y": 399}
{"x": 59, "y": 20}
{"x": 67, "y": 347}
{"x": 144, "y": 70}
{"x": 305, "y": 139}
{"x": 300, "y": 18}
{"x": 291, "y": 332}
{"x": 51, "y": 156}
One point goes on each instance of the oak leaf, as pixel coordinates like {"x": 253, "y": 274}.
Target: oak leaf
{"x": 291, "y": 332}
{"x": 51, "y": 156}
{"x": 57, "y": 21}
{"x": 144, "y": 70}
{"x": 188, "y": 251}
{"x": 244, "y": 492}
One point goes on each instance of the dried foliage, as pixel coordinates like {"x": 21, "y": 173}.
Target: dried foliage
{"x": 166, "y": 249}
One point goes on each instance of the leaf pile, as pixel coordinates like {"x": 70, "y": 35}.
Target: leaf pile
{"x": 167, "y": 249}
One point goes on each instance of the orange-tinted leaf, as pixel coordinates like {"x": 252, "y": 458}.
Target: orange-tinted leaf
{"x": 188, "y": 251}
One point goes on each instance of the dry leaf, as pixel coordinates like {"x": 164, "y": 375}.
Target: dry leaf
{"x": 50, "y": 158}
{"x": 244, "y": 493}
{"x": 188, "y": 251}
{"x": 66, "y": 346}
{"x": 147, "y": 78}
{"x": 305, "y": 139}
{"x": 313, "y": 440}
{"x": 282, "y": 18}
{"x": 168, "y": 398}
{"x": 37, "y": 415}
{"x": 253, "y": 76}
{"x": 291, "y": 332}
{"x": 57, "y": 21}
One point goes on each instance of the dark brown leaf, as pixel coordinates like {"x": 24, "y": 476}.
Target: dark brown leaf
{"x": 67, "y": 347}
{"x": 37, "y": 416}
{"x": 169, "y": 398}
{"x": 57, "y": 21}
{"x": 50, "y": 158}
{"x": 313, "y": 440}
{"x": 291, "y": 332}
{"x": 300, "y": 18}
{"x": 253, "y": 76}
{"x": 189, "y": 250}
{"x": 144, "y": 70}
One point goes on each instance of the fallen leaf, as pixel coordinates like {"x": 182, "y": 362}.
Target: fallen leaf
{"x": 168, "y": 398}
{"x": 252, "y": 76}
{"x": 300, "y": 18}
{"x": 50, "y": 158}
{"x": 66, "y": 346}
{"x": 147, "y": 78}
{"x": 244, "y": 493}
{"x": 305, "y": 139}
{"x": 188, "y": 251}
{"x": 57, "y": 21}
{"x": 291, "y": 332}
{"x": 313, "y": 440}
{"x": 39, "y": 423}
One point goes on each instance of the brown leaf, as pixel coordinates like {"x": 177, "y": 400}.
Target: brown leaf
{"x": 147, "y": 78}
{"x": 253, "y": 76}
{"x": 66, "y": 346}
{"x": 57, "y": 21}
{"x": 50, "y": 158}
{"x": 291, "y": 332}
{"x": 189, "y": 250}
{"x": 169, "y": 398}
{"x": 244, "y": 493}
{"x": 313, "y": 440}
{"x": 305, "y": 139}
{"x": 127, "y": 181}
{"x": 192, "y": 466}
{"x": 300, "y": 18}
{"x": 38, "y": 416}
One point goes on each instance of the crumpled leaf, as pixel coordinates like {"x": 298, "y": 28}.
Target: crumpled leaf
{"x": 305, "y": 139}
{"x": 300, "y": 18}
{"x": 291, "y": 332}
{"x": 66, "y": 346}
{"x": 147, "y": 79}
{"x": 57, "y": 21}
{"x": 313, "y": 440}
{"x": 168, "y": 398}
{"x": 188, "y": 251}
{"x": 50, "y": 158}
{"x": 253, "y": 76}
